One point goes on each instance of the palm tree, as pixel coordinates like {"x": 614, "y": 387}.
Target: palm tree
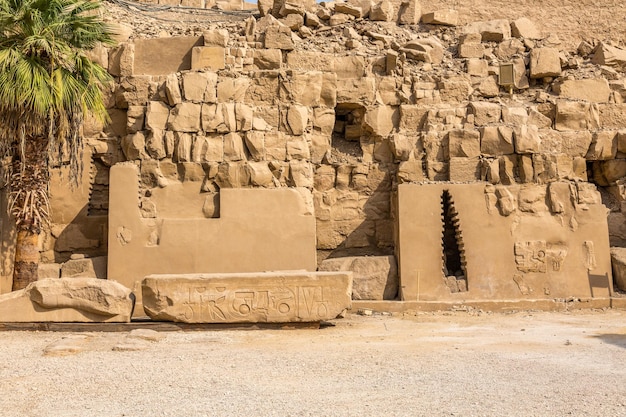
{"x": 47, "y": 86}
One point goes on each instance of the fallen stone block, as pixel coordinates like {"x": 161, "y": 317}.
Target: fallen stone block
{"x": 545, "y": 62}
{"x": 68, "y": 300}
{"x": 375, "y": 277}
{"x": 491, "y": 31}
{"x": 445, "y": 17}
{"x": 525, "y": 28}
{"x": 609, "y": 55}
{"x": 263, "y": 297}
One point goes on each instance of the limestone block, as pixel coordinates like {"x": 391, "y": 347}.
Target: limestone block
{"x": 255, "y": 142}
{"x": 215, "y": 37}
{"x": 232, "y": 89}
{"x": 485, "y": 113}
{"x": 412, "y": 117}
{"x": 293, "y": 21}
{"x": 135, "y": 116}
{"x": 349, "y": 9}
{"x": 232, "y": 175}
{"x": 455, "y": 89}
{"x": 263, "y": 89}
{"x": 268, "y": 59}
{"x": 464, "y": 169}
{"x": 301, "y": 174}
{"x": 184, "y": 117}
{"x": 572, "y": 115}
{"x": 491, "y": 31}
{"x": 87, "y": 267}
{"x": 595, "y": 90}
{"x": 544, "y": 62}
{"x": 134, "y": 146}
{"x": 320, "y": 147}
{"x": 374, "y": 277}
{"x": 603, "y": 146}
{"x": 200, "y": 87}
{"x": 618, "y": 262}
{"x": 303, "y": 88}
{"x": 445, "y": 17}
{"x": 324, "y": 120}
{"x": 260, "y": 174}
{"x": 380, "y": 120}
{"x": 348, "y": 67}
{"x": 172, "y": 90}
{"x": 219, "y": 118}
{"x": 382, "y": 11}
{"x": 174, "y": 54}
{"x": 410, "y": 12}
{"x": 279, "y": 37}
{"x": 234, "y": 149}
{"x": 496, "y": 140}
{"x": 608, "y": 116}
{"x": 183, "y": 147}
{"x": 428, "y": 50}
{"x": 410, "y": 171}
{"x": 297, "y": 119}
{"x": 208, "y": 57}
{"x": 358, "y": 91}
{"x": 68, "y": 300}
{"x": 403, "y": 146}
{"x": 244, "y": 117}
{"x": 464, "y": 143}
{"x": 489, "y": 87}
{"x": 275, "y": 146}
{"x": 298, "y": 149}
{"x": 509, "y": 48}
{"x": 527, "y": 139}
{"x": 157, "y": 114}
{"x": 525, "y": 28}
{"x": 338, "y": 19}
{"x": 471, "y": 50}
{"x": 477, "y": 67}
{"x": 208, "y": 149}
{"x": 538, "y": 119}
{"x": 266, "y": 297}
{"x": 516, "y": 116}
{"x": 328, "y": 95}
{"x": 608, "y": 55}
{"x": 520, "y": 80}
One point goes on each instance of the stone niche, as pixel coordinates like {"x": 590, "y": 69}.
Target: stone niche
{"x": 460, "y": 242}
{"x": 257, "y": 230}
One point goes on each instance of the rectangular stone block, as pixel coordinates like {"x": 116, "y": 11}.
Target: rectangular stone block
{"x": 162, "y": 56}
{"x": 211, "y": 57}
{"x": 258, "y": 297}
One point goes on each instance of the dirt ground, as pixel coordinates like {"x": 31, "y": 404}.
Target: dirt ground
{"x": 435, "y": 364}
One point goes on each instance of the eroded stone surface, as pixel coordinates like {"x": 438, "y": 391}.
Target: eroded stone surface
{"x": 269, "y": 297}
{"x": 68, "y": 300}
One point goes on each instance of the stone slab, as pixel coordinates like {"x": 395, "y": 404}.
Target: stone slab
{"x": 257, "y": 230}
{"x": 68, "y": 300}
{"x": 516, "y": 242}
{"x": 266, "y": 297}
{"x": 161, "y": 56}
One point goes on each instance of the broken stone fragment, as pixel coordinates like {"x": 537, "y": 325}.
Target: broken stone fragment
{"x": 609, "y": 55}
{"x": 382, "y": 11}
{"x": 447, "y": 17}
{"x": 545, "y": 62}
{"x": 428, "y": 50}
{"x": 491, "y": 31}
{"x": 68, "y": 300}
{"x": 262, "y": 297}
{"x": 525, "y": 28}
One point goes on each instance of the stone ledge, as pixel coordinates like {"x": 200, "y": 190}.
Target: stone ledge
{"x": 266, "y": 297}
{"x": 489, "y": 305}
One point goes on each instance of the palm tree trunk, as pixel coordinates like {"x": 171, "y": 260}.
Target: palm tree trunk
{"x": 29, "y": 202}
{"x": 26, "y": 259}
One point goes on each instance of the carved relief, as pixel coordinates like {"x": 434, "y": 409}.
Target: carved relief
{"x": 537, "y": 256}
{"x": 531, "y": 256}
{"x": 201, "y": 300}
{"x": 589, "y": 255}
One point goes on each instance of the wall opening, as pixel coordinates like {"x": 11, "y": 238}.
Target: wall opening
{"x": 346, "y": 139}
{"x": 453, "y": 249}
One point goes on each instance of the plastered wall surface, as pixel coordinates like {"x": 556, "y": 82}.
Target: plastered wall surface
{"x": 257, "y": 230}
{"x": 511, "y": 248}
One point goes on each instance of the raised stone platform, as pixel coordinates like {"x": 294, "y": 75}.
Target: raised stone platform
{"x": 266, "y": 297}
{"x": 68, "y": 300}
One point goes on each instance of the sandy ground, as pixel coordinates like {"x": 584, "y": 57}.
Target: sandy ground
{"x": 443, "y": 364}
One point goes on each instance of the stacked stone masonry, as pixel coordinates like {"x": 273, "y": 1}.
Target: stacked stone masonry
{"x": 386, "y": 100}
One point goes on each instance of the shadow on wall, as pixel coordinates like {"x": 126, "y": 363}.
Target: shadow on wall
{"x": 7, "y": 245}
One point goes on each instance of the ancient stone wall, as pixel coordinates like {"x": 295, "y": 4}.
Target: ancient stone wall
{"x": 348, "y": 101}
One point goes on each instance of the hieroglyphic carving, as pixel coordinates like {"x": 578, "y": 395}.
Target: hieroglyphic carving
{"x": 531, "y": 256}
{"x": 236, "y": 298}
{"x": 537, "y": 256}
{"x": 590, "y": 255}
